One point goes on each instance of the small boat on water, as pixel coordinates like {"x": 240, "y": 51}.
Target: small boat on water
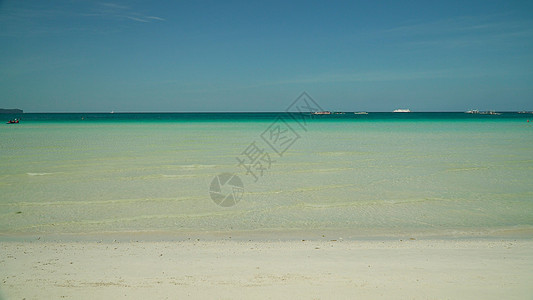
{"x": 360, "y": 113}
{"x": 402, "y": 110}
{"x": 477, "y": 112}
{"x": 14, "y": 121}
{"x": 490, "y": 112}
{"x": 321, "y": 113}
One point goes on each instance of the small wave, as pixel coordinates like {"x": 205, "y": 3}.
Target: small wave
{"x": 159, "y": 176}
{"x": 208, "y": 215}
{"x": 95, "y": 202}
{"x": 177, "y": 176}
{"x": 321, "y": 170}
{"x": 467, "y": 169}
{"x": 188, "y": 167}
{"x": 39, "y": 174}
{"x": 342, "y": 153}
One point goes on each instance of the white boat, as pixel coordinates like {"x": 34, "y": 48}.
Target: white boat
{"x": 321, "y": 113}
{"x": 360, "y": 113}
{"x": 402, "y": 110}
{"x": 472, "y": 111}
{"x": 490, "y": 112}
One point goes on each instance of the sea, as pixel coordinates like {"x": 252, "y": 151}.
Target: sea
{"x": 380, "y": 174}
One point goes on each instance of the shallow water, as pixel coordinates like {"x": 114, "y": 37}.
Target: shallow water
{"x": 442, "y": 173}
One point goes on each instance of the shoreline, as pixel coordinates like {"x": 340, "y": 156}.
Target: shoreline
{"x": 269, "y": 235}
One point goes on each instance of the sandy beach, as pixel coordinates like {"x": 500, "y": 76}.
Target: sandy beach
{"x": 329, "y": 268}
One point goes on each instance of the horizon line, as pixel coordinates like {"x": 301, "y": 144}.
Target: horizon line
{"x": 244, "y": 112}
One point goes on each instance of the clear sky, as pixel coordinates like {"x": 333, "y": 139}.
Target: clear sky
{"x": 81, "y": 56}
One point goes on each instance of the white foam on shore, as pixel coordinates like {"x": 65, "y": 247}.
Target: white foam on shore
{"x": 39, "y": 174}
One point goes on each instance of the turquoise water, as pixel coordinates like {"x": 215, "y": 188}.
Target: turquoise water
{"x": 376, "y": 174}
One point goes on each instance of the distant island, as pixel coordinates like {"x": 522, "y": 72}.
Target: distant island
{"x": 11, "y": 111}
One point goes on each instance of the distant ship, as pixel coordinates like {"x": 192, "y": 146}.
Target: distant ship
{"x": 402, "y": 110}
{"x": 11, "y": 111}
{"x": 490, "y": 112}
{"x": 321, "y": 113}
{"x": 477, "y": 112}
{"x": 360, "y": 113}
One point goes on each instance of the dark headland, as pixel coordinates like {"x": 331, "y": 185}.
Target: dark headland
{"x": 11, "y": 111}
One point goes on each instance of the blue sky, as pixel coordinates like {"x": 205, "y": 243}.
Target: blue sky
{"x": 70, "y": 56}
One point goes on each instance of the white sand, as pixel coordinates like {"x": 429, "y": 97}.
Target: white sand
{"x": 387, "y": 269}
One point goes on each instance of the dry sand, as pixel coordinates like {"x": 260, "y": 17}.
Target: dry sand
{"x": 226, "y": 269}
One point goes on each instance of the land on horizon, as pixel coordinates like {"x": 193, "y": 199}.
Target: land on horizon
{"x": 11, "y": 111}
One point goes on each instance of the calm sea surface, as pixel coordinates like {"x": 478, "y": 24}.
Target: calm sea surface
{"x": 375, "y": 174}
